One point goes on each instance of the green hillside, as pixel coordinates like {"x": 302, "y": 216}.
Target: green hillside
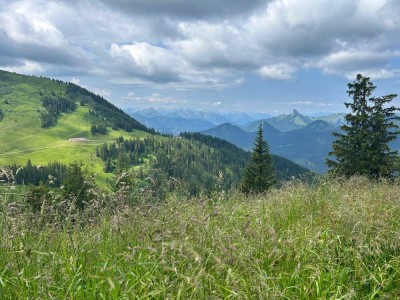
{"x": 22, "y": 137}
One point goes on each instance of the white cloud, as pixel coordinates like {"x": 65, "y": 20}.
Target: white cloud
{"x": 200, "y": 45}
{"x": 27, "y": 34}
{"x": 374, "y": 74}
{"x": 102, "y": 92}
{"x": 157, "y": 98}
{"x": 75, "y": 80}
{"x": 278, "y": 71}
{"x": 352, "y": 62}
{"x": 154, "y": 99}
{"x": 25, "y": 67}
{"x": 240, "y": 80}
{"x": 146, "y": 61}
{"x": 24, "y": 26}
{"x": 302, "y": 102}
{"x": 210, "y": 45}
{"x": 143, "y": 63}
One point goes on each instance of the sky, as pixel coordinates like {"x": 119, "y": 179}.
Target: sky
{"x": 269, "y": 56}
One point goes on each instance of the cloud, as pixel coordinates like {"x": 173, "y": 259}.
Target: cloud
{"x": 28, "y": 38}
{"x": 102, "y": 92}
{"x": 186, "y": 9}
{"x": 147, "y": 62}
{"x": 154, "y": 99}
{"x": 278, "y": 71}
{"x": 240, "y": 80}
{"x": 301, "y": 102}
{"x": 311, "y": 28}
{"x": 210, "y": 45}
{"x": 188, "y": 44}
{"x": 25, "y": 67}
{"x": 374, "y": 74}
{"x": 309, "y": 103}
{"x": 141, "y": 63}
{"x": 352, "y": 62}
{"x": 75, "y": 80}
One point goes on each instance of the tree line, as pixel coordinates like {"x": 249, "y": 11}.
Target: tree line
{"x": 52, "y": 174}
{"x": 55, "y": 105}
{"x": 196, "y": 165}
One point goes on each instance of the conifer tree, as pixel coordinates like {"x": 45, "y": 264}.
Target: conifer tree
{"x": 259, "y": 175}
{"x": 77, "y": 184}
{"x": 363, "y": 146}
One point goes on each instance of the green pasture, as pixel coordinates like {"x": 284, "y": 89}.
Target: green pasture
{"x": 23, "y": 138}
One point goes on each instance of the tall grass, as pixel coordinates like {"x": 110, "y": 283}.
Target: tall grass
{"x": 337, "y": 240}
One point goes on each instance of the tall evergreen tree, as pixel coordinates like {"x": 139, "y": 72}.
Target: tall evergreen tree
{"x": 363, "y": 146}
{"x": 77, "y": 184}
{"x": 259, "y": 175}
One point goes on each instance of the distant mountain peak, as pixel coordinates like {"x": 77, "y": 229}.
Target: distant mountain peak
{"x": 319, "y": 125}
{"x": 295, "y": 113}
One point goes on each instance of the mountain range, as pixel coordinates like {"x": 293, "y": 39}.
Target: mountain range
{"x": 307, "y": 145}
{"x": 177, "y": 121}
{"x": 182, "y": 120}
{"x": 304, "y": 139}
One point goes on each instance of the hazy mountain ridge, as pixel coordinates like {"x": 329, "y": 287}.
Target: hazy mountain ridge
{"x": 296, "y": 120}
{"x": 180, "y": 120}
{"x": 307, "y": 146}
{"x": 303, "y": 139}
{"x": 174, "y": 125}
{"x": 285, "y": 123}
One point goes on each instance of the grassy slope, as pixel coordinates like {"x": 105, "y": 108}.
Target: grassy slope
{"x": 334, "y": 241}
{"x": 22, "y": 138}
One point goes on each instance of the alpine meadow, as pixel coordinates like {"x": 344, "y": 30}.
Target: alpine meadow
{"x": 199, "y": 150}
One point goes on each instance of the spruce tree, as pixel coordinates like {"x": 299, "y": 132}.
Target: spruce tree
{"x": 77, "y": 184}
{"x": 259, "y": 175}
{"x": 363, "y": 146}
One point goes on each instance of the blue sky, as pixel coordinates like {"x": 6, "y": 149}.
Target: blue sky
{"x": 268, "y": 56}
